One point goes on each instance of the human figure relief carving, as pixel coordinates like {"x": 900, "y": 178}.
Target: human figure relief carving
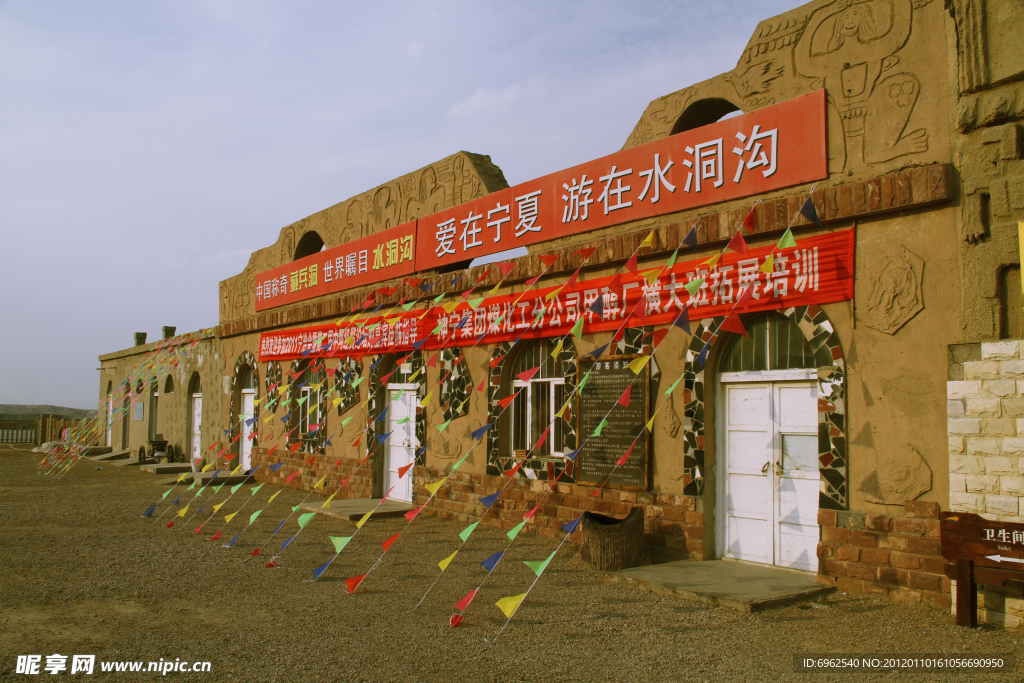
{"x": 446, "y": 448}
{"x": 287, "y": 244}
{"x": 385, "y": 209}
{"x": 671, "y": 423}
{"x": 896, "y": 295}
{"x": 756, "y": 79}
{"x": 429, "y": 196}
{"x": 353, "y": 222}
{"x": 850, "y": 46}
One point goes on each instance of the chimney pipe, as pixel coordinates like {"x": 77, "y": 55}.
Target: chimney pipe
{"x": 140, "y": 338}
{"x": 168, "y": 331}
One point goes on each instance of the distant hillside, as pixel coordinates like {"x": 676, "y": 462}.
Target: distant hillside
{"x": 13, "y": 411}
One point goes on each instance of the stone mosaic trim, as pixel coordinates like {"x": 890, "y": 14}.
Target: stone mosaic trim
{"x": 457, "y": 385}
{"x": 378, "y": 370}
{"x": 498, "y": 462}
{"x": 273, "y": 376}
{"x": 833, "y": 491}
{"x": 352, "y": 370}
{"x": 310, "y": 373}
{"x": 245, "y": 359}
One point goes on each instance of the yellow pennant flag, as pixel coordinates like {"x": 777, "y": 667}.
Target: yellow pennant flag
{"x": 562, "y": 410}
{"x": 327, "y": 503}
{"x": 218, "y": 506}
{"x": 558, "y": 349}
{"x": 337, "y": 401}
{"x": 181, "y": 478}
{"x": 494, "y": 291}
{"x": 267, "y": 419}
{"x": 648, "y": 241}
{"x": 450, "y": 306}
{"x": 319, "y": 483}
{"x": 651, "y": 275}
{"x": 363, "y": 519}
{"x": 553, "y": 293}
{"x": 508, "y": 606}
{"x": 274, "y": 496}
{"x": 637, "y": 364}
{"x": 181, "y": 513}
{"x": 443, "y": 564}
{"x": 415, "y": 375}
{"x": 713, "y": 261}
{"x": 228, "y": 518}
{"x": 768, "y": 265}
{"x": 650, "y": 423}
{"x": 312, "y": 407}
{"x": 237, "y": 467}
{"x": 435, "y": 486}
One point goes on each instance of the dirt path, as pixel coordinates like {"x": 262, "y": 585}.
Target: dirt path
{"x": 82, "y": 573}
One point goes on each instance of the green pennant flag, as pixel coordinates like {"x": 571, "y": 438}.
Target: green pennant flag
{"x": 167, "y": 492}
{"x": 475, "y": 303}
{"x": 296, "y": 508}
{"x": 674, "y": 385}
{"x": 442, "y": 427}
{"x": 234, "y": 488}
{"x": 461, "y": 460}
{"x": 672, "y": 259}
{"x": 304, "y": 519}
{"x": 440, "y": 326}
{"x": 577, "y": 329}
{"x": 437, "y": 299}
{"x": 339, "y": 542}
{"x": 464, "y": 534}
{"x": 347, "y": 420}
{"x": 408, "y": 306}
{"x": 357, "y": 382}
{"x": 253, "y": 516}
{"x": 403, "y": 421}
{"x": 539, "y": 567}
{"x": 514, "y": 531}
{"x": 256, "y": 488}
{"x": 192, "y": 486}
{"x": 694, "y": 286}
{"x": 787, "y": 240}
{"x": 199, "y": 493}
{"x": 597, "y": 432}
{"x": 583, "y": 382}
{"x": 303, "y": 399}
{"x": 398, "y": 395}
{"x": 216, "y": 489}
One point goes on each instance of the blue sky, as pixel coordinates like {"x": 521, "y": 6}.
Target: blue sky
{"x": 149, "y": 147}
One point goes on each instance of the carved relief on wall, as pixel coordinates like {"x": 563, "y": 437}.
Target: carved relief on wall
{"x": 849, "y": 47}
{"x": 896, "y": 293}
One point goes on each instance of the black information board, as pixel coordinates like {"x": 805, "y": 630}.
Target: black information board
{"x": 608, "y": 381}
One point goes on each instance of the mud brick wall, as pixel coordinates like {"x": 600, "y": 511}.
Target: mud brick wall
{"x": 894, "y": 557}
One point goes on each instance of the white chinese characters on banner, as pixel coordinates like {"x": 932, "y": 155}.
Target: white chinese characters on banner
{"x": 522, "y": 213}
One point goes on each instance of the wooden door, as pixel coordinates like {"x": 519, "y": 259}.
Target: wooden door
{"x": 401, "y": 446}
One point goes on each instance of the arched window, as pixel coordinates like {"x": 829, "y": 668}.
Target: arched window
{"x": 539, "y": 398}
{"x": 703, "y": 112}
{"x": 773, "y": 342}
{"x": 310, "y": 243}
{"x": 169, "y": 385}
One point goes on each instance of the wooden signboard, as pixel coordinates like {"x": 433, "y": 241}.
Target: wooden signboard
{"x": 608, "y": 380}
{"x": 983, "y": 551}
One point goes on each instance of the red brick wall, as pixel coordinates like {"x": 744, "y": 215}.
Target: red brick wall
{"x": 673, "y": 525}
{"x": 896, "y": 557}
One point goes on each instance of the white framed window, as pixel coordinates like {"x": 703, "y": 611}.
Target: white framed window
{"x": 539, "y": 398}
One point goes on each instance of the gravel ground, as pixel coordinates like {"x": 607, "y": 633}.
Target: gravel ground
{"x": 82, "y": 573}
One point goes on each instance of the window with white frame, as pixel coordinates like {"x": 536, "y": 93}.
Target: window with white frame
{"x": 537, "y": 401}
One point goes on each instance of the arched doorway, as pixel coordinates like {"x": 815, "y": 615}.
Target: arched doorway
{"x": 125, "y": 410}
{"x": 195, "y": 420}
{"x": 767, "y": 457}
{"x": 247, "y": 384}
{"x": 110, "y": 413}
{"x": 154, "y": 398}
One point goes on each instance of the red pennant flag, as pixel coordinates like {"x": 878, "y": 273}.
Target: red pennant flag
{"x": 531, "y": 513}
{"x": 508, "y": 399}
{"x": 216, "y": 536}
{"x": 295, "y": 446}
{"x": 587, "y": 252}
{"x": 543, "y": 437}
{"x": 732, "y": 324}
{"x": 405, "y": 468}
{"x": 617, "y": 337}
{"x": 169, "y": 524}
{"x": 484, "y": 276}
{"x": 738, "y": 244}
{"x": 454, "y": 620}
{"x": 411, "y": 514}
{"x": 463, "y": 604}
{"x": 744, "y": 300}
{"x": 616, "y": 283}
{"x": 343, "y": 482}
{"x": 338, "y": 461}
{"x": 748, "y": 222}
{"x": 197, "y": 529}
{"x": 657, "y": 336}
{"x": 494, "y": 362}
{"x": 291, "y": 476}
{"x": 548, "y": 259}
{"x": 413, "y": 281}
{"x": 385, "y": 378}
{"x": 432, "y": 363}
{"x": 571, "y": 282}
{"x": 355, "y": 443}
{"x": 272, "y": 564}
{"x": 481, "y": 385}
{"x": 624, "y": 399}
{"x": 505, "y": 267}
{"x": 625, "y": 456}
{"x": 354, "y": 582}
{"x": 533, "y": 280}
{"x": 391, "y": 541}
{"x": 256, "y": 552}
{"x": 310, "y": 461}
{"x": 527, "y": 375}
{"x": 330, "y": 373}
{"x": 631, "y": 264}
{"x": 512, "y": 472}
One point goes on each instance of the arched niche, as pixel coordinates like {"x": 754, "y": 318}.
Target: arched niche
{"x": 703, "y": 112}
{"x": 310, "y": 243}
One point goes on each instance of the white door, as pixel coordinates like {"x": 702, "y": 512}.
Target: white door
{"x": 245, "y": 449}
{"x": 197, "y": 429}
{"x": 110, "y": 420}
{"x": 771, "y": 481}
{"x": 400, "y": 449}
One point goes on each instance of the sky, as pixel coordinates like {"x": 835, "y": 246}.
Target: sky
{"x": 147, "y": 148}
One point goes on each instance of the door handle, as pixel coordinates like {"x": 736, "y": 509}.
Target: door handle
{"x": 766, "y": 466}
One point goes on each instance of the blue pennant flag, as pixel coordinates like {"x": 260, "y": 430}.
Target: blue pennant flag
{"x": 421, "y": 451}
{"x": 424, "y": 286}
{"x": 307, "y": 352}
{"x": 347, "y": 375}
{"x": 571, "y": 455}
{"x": 249, "y": 422}
{"x": 488, "y": 501}
{"x": 177, "y": 501}
{"x": 691, "y": 238}
{"x": 418, "y": 345}
{"x": 377, "y": 363}
{"x": 287, "y": 417}
{"x": 383, "y": 437}
{"x": 682, "y": 321}
{"x": 360, "y": 341}
{"x": 702, "y": 356}
{"x": 492, "y": 561}
{"x": 456, "y": 280}
{"x": 329, "y": 440}
{"x": 598, "y": 306}
{"x": 275, "y": 468}
{"x": 570, "y": 527}
{"x": 378, "y": 307}
{"x": 321, "y": 569}
{"x": 598, "y": 352}
{"x": 232, "y": 543}
{"x": 149, "y": 512}
{"x": 285, "y": 544}
{"x": 215, "y": 474}
{"x": 253, "y": 470}
{"x": 465, "y": 319}
{"x": 481, "y": 338}
{"x": 479, "y": 433}
{"x": 200, "y": 509}
{"x": 227, "y": 432}
{"x": 302, "y": 385}
{"x": 809, "y": 212}
{"x": 383, "y": 412}
{"x": 280, "y": 525}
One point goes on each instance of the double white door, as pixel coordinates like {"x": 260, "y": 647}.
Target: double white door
{"x": 110, "y": 420}
{"x": 401, "y": 447}
{"x": 197, "y": 429}
{"x": 245, "y": 441}
{"x": 770, "y": 488}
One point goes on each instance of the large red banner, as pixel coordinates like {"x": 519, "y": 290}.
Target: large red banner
{"x": 818, "y": 270}
{"x": 384, "y": 255}
{"x": 768, "y": 149}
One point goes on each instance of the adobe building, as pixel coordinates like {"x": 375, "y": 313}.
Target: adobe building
{"x": 816, "y": 440}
